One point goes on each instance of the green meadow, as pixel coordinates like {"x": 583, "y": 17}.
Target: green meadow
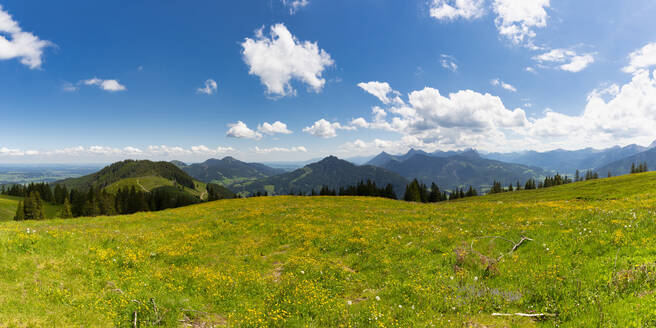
{"x": 590, "y": 261}
{"x": 8, "y": 206}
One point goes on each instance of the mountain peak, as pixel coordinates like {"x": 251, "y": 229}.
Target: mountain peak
{"x": 230, "y": 159}
{"x": 330, "y": 159}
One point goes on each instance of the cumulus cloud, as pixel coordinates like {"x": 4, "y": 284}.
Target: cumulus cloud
{"x": 210, "y": 87}
{"x": 454, "y": 9}
{"x": 614, "y": 114}
{"x": 565, "y": 59}
{"x": 16, "y": 43}
{"x": 517, "y": 19}
{"x": 281, "y": 57}
{"x": 241, "y": 131}
{"x": 382, "y": 91}
{"x": 298, "y": 149}
{"x": 449, "y": 62}
{"x": 626, "y": 116}
{"x": 642, "y": 58}
{"x": 107, "y": 85}
{"x": 271, "y": 129}
{"x": 499, "y": 83}
{"x": 295, "y": 5}
{"x": 324, "y": 129}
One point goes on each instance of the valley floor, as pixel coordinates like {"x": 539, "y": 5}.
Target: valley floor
{"x": 345, "y": 262}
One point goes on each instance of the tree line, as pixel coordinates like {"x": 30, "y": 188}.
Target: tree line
{"x": 97, "y": 201}
{"x": 640, "y": 168}
{"x": 419, "y": 192}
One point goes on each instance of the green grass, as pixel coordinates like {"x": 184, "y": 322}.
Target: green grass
{"x": 8, "y": 205}
{"x": 149, "y": 183}
{"x": 350, "y": 262}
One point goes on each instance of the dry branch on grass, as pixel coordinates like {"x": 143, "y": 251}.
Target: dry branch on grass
{"x": 514, "y": 248}
{"x": 529, "y": 315}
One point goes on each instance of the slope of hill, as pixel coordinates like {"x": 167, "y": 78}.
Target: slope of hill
{"x": 179, "y": 164}
{"x": 330, "y": 171}
{"x": 229, "y": 171}
{"x": 8, "y": 205}
{"x": 130, "y": 169}
{"x": 462, "y": 171}
{"x": 623, "y": 166}
{"x": 142, "y": 175}
{"x": 568, "y": 161}
{"x": 343, "y": 261}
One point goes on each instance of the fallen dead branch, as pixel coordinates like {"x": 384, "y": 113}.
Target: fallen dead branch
{"x": 529, "y": 315}
{"x": 514, "y": 248}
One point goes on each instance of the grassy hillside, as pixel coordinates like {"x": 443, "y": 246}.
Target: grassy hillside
{"x": 358, "y": 262}
{"x": 8, "y": 205}
{"x": 148, "y": 183}
{"x": 130, "y": 169}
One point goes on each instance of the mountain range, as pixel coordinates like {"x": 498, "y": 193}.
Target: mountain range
{"x": 623, "y": 166}
{"x": 452, "y": 170}
{"x": 568, "y": 161}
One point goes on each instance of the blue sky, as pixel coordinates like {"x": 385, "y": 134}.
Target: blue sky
{"x": 96, "y": 81}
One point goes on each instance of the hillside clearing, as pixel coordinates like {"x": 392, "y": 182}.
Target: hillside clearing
{"x": 345, "y": 261}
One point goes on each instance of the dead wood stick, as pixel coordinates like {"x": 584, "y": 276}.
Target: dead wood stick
{"x": 530, "y": 315}
{"x": 135, "y": 319}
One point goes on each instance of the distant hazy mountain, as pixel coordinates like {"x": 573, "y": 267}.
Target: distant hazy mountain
{"x": 623, "y": 166}
{"x": 466, "y": 169}
{"x": 568, "y": 161}
{"x": 383, "y": 158}
{"x": 330, "y": 171}
{"x": 179, "y": 164}
{"x": 228, "y": 171}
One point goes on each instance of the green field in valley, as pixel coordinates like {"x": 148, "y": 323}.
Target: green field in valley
{"x": 345, "y": 262}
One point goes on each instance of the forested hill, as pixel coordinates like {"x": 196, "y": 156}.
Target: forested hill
{"x": 330, "y": 172}
{"x": 228, "y": 171}
{"x": 130, "y": 169}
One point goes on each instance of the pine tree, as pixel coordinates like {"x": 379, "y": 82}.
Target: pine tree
{"x": 66, "y": 211}
{"x": 577, "y": 176}
{"x": 413, "y": 192}
{"x": 20, "y": 212}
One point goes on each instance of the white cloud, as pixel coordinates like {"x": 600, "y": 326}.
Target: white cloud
{"x": 628, "y": 116}
{"x": 295, "y": 5}
{"x": 241, "y": 131}
{"x": 517, "y": 19}
{"x": 642, "y": 58}
{"x": 325, "y": 129}
{"x": 107, "y": 85}
{"x": 565, "y": 59}
{"x": 382, "y": 91}
{"x": 449, "y": 62}
{"x": 298, "y": 149}
{"x": 499, "y": 83}
{"x": 278, "y": 59}
{"x": 454, "y": 9}
{"x": 210, "y": 87}
{"x": 531, "y": 70}
{"x": 16, "y": 43}
{"x": 276, "y": 127}
{"x": 613, "y": 115}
